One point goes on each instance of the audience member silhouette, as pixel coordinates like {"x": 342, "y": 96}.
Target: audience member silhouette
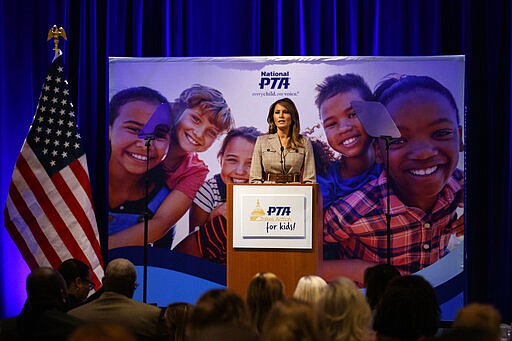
{"x": 218, "y": 311}
{"x": 291, "y": 319}
{"x": 408, "y": 310}
{"x": 224, "y": 332}
{"x": 43, "y": 316}
{"x": 376, "y": 279}
{"x": 264, "y": 289}
{"x": 102, "y": 331}
{"x": 465, "y": 334}
{"x": 116, "y": 304}
{"x": 477, "y": 316}
{"x": 309, "y": 288}
{"x": 78, "y": 280}
{"x": 344, "y": 313}
{"x": 176, "y": 318}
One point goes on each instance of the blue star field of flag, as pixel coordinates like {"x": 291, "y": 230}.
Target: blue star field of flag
{"x": 54, "y": 135}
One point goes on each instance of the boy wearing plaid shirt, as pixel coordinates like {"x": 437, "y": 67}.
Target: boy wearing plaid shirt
{"x": 426, "y": 187}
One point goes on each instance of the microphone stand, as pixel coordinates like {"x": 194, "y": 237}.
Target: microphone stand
{"x": 148, "y": 140}
{"x": 388, "y": 202}
{"x": 377, "y": 121}
{"x": 157, "y": 125}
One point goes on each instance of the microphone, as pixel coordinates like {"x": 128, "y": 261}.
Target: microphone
{"x": 282, "y": 160}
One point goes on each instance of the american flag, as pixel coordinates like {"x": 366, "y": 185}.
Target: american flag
{"x": 49, "y": 211}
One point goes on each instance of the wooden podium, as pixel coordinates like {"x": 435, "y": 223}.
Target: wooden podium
{"x": 289, "y": 264}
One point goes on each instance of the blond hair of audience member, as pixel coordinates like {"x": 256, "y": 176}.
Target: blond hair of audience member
{"x": 479, "y": 316}
{"x": 291, "y": 319}
{"x": 102, "y": 331}
{"x": 176, "y": 317}
{"x": 344, "y": 312}
{"x": 309, "y": 288}
{"x": 264, "y": 289}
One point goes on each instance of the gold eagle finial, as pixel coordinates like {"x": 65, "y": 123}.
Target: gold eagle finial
{"x": 56, "y": 33}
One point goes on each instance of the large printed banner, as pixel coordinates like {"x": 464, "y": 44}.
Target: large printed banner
{"x": 187, "y": 225}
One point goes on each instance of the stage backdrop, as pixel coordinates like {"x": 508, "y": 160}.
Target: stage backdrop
{"x": 250, "y": 85}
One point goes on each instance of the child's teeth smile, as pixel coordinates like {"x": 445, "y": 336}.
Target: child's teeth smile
{"x": 349, "y": 141}
{"x": 423, "y": 171}
{"x": 191, "y": 140}
{"x": 138, "y": 157}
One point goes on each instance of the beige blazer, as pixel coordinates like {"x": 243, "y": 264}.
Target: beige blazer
{"x": 267, "y": 157}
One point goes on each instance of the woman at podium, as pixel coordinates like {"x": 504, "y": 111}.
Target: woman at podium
{"x": 283, "y": 155}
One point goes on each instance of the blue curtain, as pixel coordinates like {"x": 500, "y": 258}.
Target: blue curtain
{"x": 97, "y": 29}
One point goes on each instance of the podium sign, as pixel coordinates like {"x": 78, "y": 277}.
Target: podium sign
{"x": 271, "y": 217}
{"x": 273, "y": 228}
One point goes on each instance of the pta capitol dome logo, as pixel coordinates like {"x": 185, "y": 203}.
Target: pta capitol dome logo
{"x": 275, "y": 217}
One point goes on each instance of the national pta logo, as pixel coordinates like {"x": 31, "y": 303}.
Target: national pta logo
{"x": 274, "y": 80}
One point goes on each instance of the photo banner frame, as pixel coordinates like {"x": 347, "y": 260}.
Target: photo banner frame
{"x": 250, "y": 85}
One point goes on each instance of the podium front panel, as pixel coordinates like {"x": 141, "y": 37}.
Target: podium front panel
{"x": 273, "y": 228}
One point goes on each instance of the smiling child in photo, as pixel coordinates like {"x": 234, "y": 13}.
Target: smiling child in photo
{"x": 426, "y": 187}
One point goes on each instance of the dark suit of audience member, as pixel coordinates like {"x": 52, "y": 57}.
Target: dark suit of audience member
{"x": 43, "y": 316}
{"x": 116, "y": 303}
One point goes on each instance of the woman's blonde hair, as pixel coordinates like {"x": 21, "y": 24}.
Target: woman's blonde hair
{"x": 344, "y": 312}
{"x": 310, "y": 288}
